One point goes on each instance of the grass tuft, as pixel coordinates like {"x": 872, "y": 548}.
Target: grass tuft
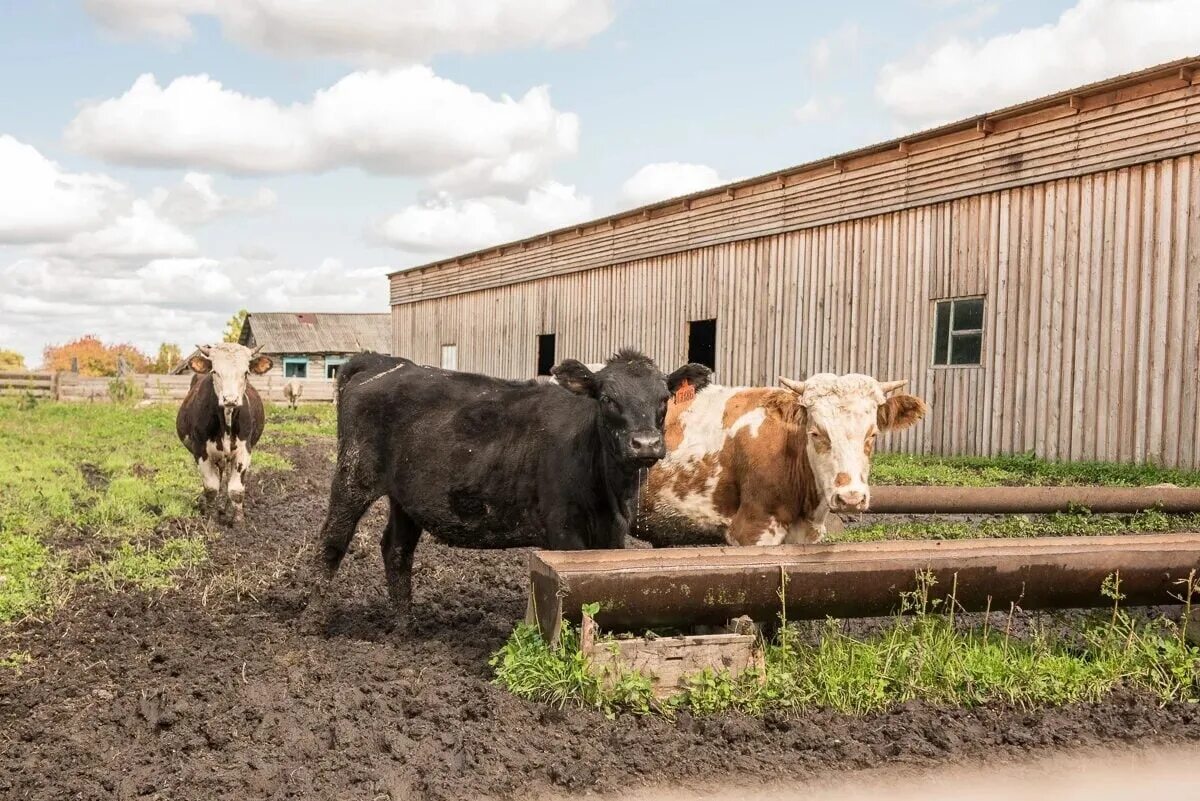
{"x": 921, "y": 655}
{"x": 1062, "y": 524}
{"x": 1019, "y": 470}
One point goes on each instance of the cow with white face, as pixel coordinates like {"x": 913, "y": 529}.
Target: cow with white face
{"x": 764, "y": 466}
{"x": 221, "y": 420}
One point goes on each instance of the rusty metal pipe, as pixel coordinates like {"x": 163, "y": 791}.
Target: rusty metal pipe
{"x": 642, "y": 589}
{"x": 1001, "y": 500}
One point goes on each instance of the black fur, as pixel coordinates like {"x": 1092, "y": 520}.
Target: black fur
{"x": 481, "y": 462}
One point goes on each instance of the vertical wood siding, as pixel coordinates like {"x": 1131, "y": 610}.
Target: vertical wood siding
{"x": 1091, "y": 343}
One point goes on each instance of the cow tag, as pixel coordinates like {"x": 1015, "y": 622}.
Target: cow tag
{"x": 685, "y": 393}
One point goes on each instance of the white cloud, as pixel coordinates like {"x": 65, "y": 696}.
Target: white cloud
{"x": 444, "y": 226}
{"x": 398, "y": 122}
{"x": 841, "y": 44}
{"x": 137, "y": 233}
{"x": 180, "y": 300}
{"x": 668, "y": 179}
{"x": 818, "y": 109}
{"x": 367, "y": 31}
{"x": 195, "y": 200}
{"x": 1094, "y": 39}
{"x": 90, "y": 216}
{"x": 39, "y": 201}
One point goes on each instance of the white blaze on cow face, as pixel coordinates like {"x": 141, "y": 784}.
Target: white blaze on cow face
{"x": 230, "y": 365}
{"x": 843, "y": 415}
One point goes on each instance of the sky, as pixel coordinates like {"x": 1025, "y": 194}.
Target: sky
{"x": 164, "y": 163}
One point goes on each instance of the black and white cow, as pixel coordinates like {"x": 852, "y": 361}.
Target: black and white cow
{"x": 221, "y": 420}
{"x": 481, "y": 462}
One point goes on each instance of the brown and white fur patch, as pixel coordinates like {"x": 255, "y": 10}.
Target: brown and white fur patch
{"x": 765, "y": 466}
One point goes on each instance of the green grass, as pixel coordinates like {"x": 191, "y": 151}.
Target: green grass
{"x": 1019, "y": 470}
{"x": 924, "y": 656}
{"x": 104, "y": 476}
{"x": 1063, "y": 524}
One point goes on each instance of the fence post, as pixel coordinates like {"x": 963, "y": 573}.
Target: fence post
{"x": 54, "y": 386}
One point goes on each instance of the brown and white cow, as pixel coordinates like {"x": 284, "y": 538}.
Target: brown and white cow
{"x": 221, "y": 419}
{"x": 764, "y": 466}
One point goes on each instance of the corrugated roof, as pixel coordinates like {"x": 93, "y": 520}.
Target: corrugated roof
{"x": 308, "y": 332}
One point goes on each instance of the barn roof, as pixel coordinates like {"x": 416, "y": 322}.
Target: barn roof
{"x": 315, "y": 332}
{"x": 589, "y": 244}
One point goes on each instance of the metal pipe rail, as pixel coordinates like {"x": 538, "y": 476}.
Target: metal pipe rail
{"x": 643, "y": 589}
{"x": 1001, "y": 500}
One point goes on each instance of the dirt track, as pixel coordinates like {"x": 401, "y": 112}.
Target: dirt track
{"x": 198, "y": 696}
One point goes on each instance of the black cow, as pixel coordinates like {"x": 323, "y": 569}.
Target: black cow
{"x": 481, "y": 462}
{"x": 221, "y": 419}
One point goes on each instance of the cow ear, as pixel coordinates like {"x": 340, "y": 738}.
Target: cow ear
{"x": 575, "y": 376}
{"x": 697, "y": 375}
{"x": 899, "y": 412}
{"x": 200, "y": 363}
{"x": 261, "y": 364}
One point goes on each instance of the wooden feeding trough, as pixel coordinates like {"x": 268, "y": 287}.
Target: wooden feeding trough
{"x": 669, "y": 661}
{"x": 639, "y": 590}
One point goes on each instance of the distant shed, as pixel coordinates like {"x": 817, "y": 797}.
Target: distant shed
{"x": 313, "y": 345}
{"x": 1033, "y": 271}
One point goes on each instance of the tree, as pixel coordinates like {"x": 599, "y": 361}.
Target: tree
{"x": 168, "y": 357}
{"x": 233, "y": 328}
{"x": 95, "y": 358}
{"x": 11, "y": 360}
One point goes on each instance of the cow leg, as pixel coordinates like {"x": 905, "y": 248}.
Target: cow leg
{"x": 399, "y": 543}
{"x": 210, "y": 474}
{"x": 348, "y": 502}
{"x": 751, "y": 526}
{"x": 238, "y": 465}
{"x": 809, "y": 530}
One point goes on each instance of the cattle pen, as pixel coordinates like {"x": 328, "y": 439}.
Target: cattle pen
{"x": 1029, "y": 270}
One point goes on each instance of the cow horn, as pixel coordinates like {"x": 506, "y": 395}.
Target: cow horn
{"x": 794, "y": 386}
{"x": 892, "y": 386}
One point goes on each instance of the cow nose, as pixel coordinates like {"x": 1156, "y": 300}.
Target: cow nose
{"x": 850, "y": 501}
{"x": 648, "y": 446}
{"x": 229, "y": 403}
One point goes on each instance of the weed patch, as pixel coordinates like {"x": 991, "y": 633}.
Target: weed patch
{"x": 921, "y": 654}
{"x": 1019, "y": 470}
{"x": 1063, "y": 524}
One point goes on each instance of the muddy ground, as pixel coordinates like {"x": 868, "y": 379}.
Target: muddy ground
{"x": 210, "y": 691}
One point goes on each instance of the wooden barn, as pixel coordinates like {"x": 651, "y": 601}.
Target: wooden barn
{"x": 1034, "y": 272}
{"x": 314, "y": 345}
{"x": 311, "y": 345}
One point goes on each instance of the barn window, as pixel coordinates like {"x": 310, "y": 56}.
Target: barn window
{"x": 333, "y": 364}
{"x": 295, "y": 367}
{"x": 958, "y": 332}
{"x": 702, "y": 343}
{"x": 545, "y": 354}
{"x": 449, "y": 357}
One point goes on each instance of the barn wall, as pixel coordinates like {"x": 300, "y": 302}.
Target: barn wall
{"x": 1091, "y": 339}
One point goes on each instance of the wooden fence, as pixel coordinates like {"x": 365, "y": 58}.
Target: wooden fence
{"x": 39, "y": 385}
{"x": 155, "y": 388}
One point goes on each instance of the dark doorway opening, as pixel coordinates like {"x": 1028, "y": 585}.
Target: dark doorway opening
{"x": 545, "y": 354}
{"x": 702, "y": 343}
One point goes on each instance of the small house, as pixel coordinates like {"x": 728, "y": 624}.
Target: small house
{"x": 312, "y": 345}
{"x": 315, "y": 345}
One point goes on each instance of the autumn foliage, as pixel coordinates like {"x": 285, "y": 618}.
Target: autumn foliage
{"x": 95, "y": 358}
{"x": 10, "y": 360}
